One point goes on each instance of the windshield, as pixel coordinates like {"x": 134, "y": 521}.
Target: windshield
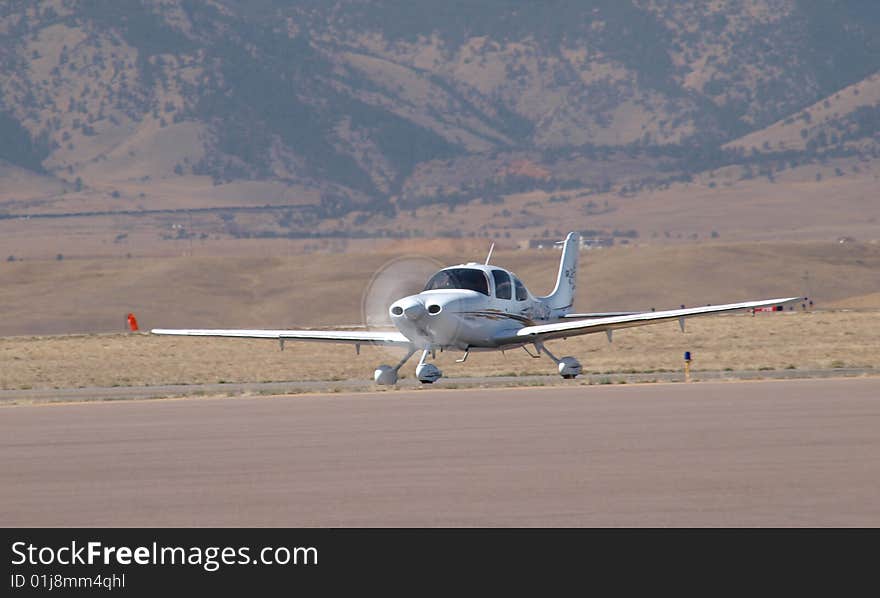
{"x": 459, "y": 278}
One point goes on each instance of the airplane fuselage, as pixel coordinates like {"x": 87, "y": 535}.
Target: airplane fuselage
{"x": 485, "y": 316}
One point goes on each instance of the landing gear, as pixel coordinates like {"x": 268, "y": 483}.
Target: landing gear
{"x": 427, "y": 373}
{"x": 387, "y": 375}
{"x": 569, "y": 367}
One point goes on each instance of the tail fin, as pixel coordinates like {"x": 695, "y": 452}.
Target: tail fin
{"x": 562, "y": 297}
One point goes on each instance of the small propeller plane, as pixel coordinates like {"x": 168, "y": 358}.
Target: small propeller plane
{"x": 482, "y": 307}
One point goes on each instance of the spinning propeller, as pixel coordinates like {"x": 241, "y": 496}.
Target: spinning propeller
{"x": 394, "y": 280}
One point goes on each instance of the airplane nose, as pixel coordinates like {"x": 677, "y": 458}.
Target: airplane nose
{"x": 412, "y": 309}
{"x": 414, "y": 312}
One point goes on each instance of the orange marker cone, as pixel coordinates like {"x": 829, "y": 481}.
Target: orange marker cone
{"x": 132, "y": 323}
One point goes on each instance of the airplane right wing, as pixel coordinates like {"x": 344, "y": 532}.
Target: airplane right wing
{"x": 564, "y": 329}
{"x": 599, "y": 314}
{"x": 352, "y": 337}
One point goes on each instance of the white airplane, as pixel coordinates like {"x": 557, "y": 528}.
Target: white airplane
{"x": 482, "y": 307}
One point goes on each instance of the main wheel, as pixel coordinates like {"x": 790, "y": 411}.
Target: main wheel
{"x": 385, "y": 375}
{"x": 569, "y": 368}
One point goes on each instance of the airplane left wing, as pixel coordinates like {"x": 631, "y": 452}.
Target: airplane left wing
{"x": 563, "y": 329}
{"x": 352, "y": 337}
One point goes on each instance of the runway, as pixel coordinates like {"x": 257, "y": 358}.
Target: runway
{"x": 772, "y": 453}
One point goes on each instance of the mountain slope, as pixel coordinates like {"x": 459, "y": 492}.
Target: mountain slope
{"x": 851, "y": 115}
{"x": 349, "y": 103}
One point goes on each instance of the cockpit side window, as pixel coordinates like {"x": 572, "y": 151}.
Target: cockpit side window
{"x": 503, "y": 288}
{"x": 521, "y": 293}
{"x": 469, "y": 279}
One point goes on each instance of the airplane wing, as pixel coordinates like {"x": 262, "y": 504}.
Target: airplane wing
{"x": 599, "y": 314}
{"x": 563, "y": 329}
{"x": 352, "y": 337}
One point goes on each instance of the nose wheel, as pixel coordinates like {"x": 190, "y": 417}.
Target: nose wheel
{"x": 427, "y": 373}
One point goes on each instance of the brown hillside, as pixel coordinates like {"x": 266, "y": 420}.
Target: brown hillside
{"x": 808, "y": 202}
{"x": 827, "y": 116}
{"x": 355, "y": 104}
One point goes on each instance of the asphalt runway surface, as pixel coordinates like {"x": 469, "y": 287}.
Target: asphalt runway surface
{"x": 772, "y": 453}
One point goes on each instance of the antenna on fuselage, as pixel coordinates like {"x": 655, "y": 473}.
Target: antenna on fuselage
{"x": 489, "y": 257}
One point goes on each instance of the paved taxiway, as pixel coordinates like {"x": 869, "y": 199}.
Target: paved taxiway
{"x": 803, "y": 452}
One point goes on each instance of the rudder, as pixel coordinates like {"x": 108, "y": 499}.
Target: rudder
{"x": 560, "y": 301}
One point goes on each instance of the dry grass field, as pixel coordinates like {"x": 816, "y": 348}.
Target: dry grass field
{"x": 765, "y": 341}
{"x": 324, "y": 289}
{"x": 88, "y": 299}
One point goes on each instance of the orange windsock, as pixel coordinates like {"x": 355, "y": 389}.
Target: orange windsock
{"x": 132, "y": 323}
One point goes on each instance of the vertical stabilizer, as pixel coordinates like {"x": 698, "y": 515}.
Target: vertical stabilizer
{"x": 560, "y": 301}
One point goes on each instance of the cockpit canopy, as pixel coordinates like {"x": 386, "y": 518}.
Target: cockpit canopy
{"x": 470, "y": 279}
